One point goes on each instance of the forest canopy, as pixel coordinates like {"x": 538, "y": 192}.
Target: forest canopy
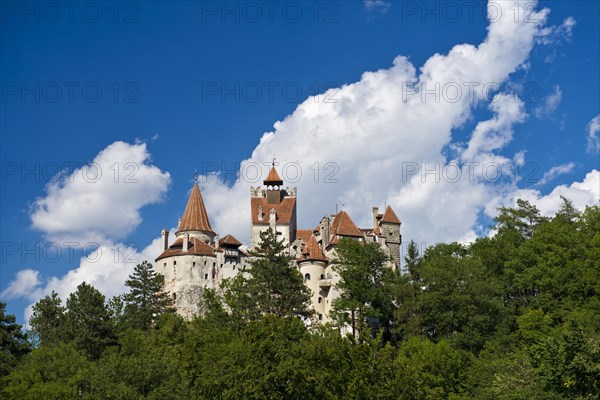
{"x": 512, "y": 316}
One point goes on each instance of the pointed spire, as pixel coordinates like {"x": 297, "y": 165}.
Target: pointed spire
{"x": 195, "y": 217}
{"x": 390, "y": 216}
{"x": 273, "y": 179}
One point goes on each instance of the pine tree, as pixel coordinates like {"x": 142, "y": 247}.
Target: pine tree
{"x": 88, "y": 323}
{"x": 48, "y": 320}
{"x": 272, "y": 285}
{"x": 13, "y": 342}
{"x": 146, "y": 300}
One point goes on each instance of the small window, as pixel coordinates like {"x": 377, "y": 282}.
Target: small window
{"x": 320, "y": 300}
{"x": 322, "y": 276}
{"x": 174, "y": 296}
{"x": 194, "y": 264}
{"x": 205, "y": 276}
{"x": 307, "y": 277}
{"x": 174, "y": 262}
{"x": 165, "y": 264}
{"x": 320, "y": 317}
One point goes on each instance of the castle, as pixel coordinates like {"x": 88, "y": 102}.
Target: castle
{"x": 199, "y": 258}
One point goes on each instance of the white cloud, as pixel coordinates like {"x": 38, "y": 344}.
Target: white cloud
{"x": 554, "y": 172}
{"x": 519, "y": 158}
{"x": 26, "y": 284}
{"x": 549, "y": 104}
{"x": 106, "y": 268}
{"x": 593, "y": 136}
{"x": 100, "y": 202}
{"x": 582, "y": 194}
{"x": 556, "y": 33}
{"x": 377, "y": 6}
{"x": 391, "y": 120}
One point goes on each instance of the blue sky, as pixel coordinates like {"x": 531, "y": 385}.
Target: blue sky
{"x": 175, "y": 87}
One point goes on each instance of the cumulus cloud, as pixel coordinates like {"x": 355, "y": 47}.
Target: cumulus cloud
{"x": 593, "y": 136}
{"x": 582, "y": 194}
{"x": 386, "y": 133}
{"x": 106, "y": 268}
{"x": 100, "y": 201}
{"x": 26, "y": 284}
{"x": 554, "y": 172}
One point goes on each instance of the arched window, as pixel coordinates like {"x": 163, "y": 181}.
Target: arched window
{"x": 307, "y": 277}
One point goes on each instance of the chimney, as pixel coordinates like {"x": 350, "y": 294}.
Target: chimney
{"x": 186, "y": 242}
{"x": 325, "y": 231}
{"x": 165, "y": 239}
{"x": 375, "y": 213}
{"x": 272, "y": 219}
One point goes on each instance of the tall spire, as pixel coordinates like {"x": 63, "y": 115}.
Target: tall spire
{"x": 273, "y": 179}
{"x": 195, "y": 217}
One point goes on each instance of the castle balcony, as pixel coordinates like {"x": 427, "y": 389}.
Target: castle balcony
{"x": 325, "y": 282}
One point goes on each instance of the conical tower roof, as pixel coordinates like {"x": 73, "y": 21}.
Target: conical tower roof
{"x": 195, "y": 217}
{"x": 390, "y": 216}
{"x": 273, "y": 179}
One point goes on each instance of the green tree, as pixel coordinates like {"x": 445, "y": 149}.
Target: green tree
{"x": 270, "y": 286}
{"x": 524, "y": 218}
{"x": 146, "y": 300}
{"x": 461, "y": 300}
{"x": 48, "y": 320}
{"x": 49, "y": 373}
{"x": 365, "y": 285}
{"x": 13, "y": 342}
{"x": 88, "y": 323}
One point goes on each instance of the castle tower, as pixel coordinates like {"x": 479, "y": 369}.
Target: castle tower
{"x": 192, "y": 262}
{"x": 389, "y": 223}
{"x": 273, "y": 208}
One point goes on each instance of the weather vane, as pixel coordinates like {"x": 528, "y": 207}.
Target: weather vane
{"x": 195, "y": 175}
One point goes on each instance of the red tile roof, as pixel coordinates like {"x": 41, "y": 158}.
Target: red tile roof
{"x": 344, "y": 226}
{"x": 196, "y": 247}
{"x": 390, "y": 216}
{"x": 273, "y": 178}
{"x": 312, "y": 251}
{"x": 195, "y": 217}
{"x": 304, "y": 234}
{"x": 283, "y": 210}
{"x": 230, "y": 240}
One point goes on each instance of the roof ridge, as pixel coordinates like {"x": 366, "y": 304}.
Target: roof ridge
{"x": 344, "y": 226}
